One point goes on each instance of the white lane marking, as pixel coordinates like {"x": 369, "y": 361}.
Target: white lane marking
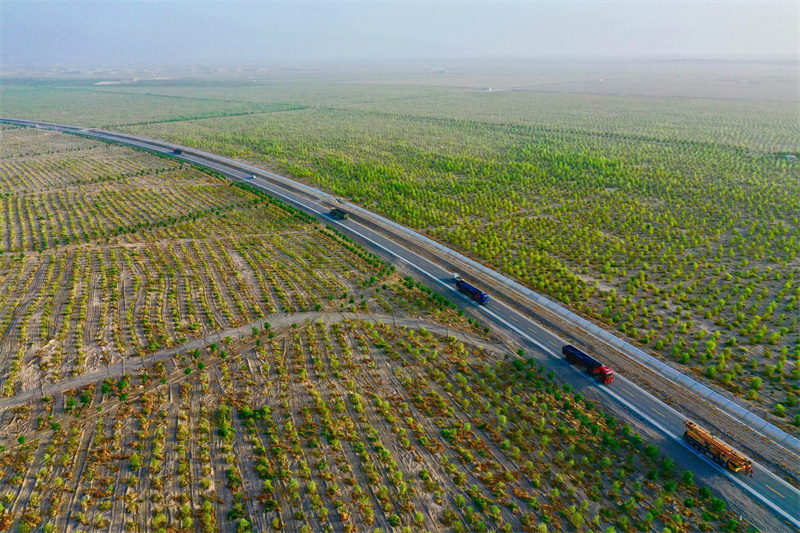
{"x": 708, "y": 461}
{"x": 761, "y": 468}
{"x": 664, "y": 430}
{"x": 735, "y": 480}
{"x": 661, "y": 428}
{"x": 668, "y": 433}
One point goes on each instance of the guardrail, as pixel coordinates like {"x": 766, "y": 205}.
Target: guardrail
{"x": 727, "y": 405}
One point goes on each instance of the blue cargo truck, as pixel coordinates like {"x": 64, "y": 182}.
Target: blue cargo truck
{"x": 592, "y": 366}
{"x": 471, "y": 291}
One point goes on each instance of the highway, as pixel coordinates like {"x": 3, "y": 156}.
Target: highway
{"x": 764, "y": 499}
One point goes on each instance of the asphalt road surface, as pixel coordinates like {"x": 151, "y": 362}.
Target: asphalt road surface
{"x": 764, "y": 499}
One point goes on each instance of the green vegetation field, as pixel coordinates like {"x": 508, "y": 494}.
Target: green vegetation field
{"x": 181, "y": 354}
{"x": 351, "y": 426}
{"x": 658, "y": 202}
{"x": 108, "y": 252}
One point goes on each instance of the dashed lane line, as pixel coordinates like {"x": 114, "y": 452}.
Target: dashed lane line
{"x": 775, "y": 491}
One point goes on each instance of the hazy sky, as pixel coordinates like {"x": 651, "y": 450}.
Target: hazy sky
{"x": 124, "y": 33}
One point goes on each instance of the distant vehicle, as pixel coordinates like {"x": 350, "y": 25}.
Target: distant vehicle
{"x": 703, "y": 441}
{"x": 471, "y": 291}
{"x": 177, "y": 151}
{"x": 593, "y": 366}
{"x": 251, "y": 177}
{"x": 341, "y": 214}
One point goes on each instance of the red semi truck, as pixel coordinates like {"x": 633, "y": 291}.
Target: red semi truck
{"x": 593, "y": 366}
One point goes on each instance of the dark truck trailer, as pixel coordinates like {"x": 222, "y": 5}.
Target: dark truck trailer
{"x": 592, "y": 365}
{"x": 341, "y": 214}
{"x": 471, "y": 291}
{"x": 177, "y": 151}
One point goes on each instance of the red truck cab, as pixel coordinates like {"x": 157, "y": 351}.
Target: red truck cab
{"x": 592, "y": 366}
{"x": 605, "y": 374}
